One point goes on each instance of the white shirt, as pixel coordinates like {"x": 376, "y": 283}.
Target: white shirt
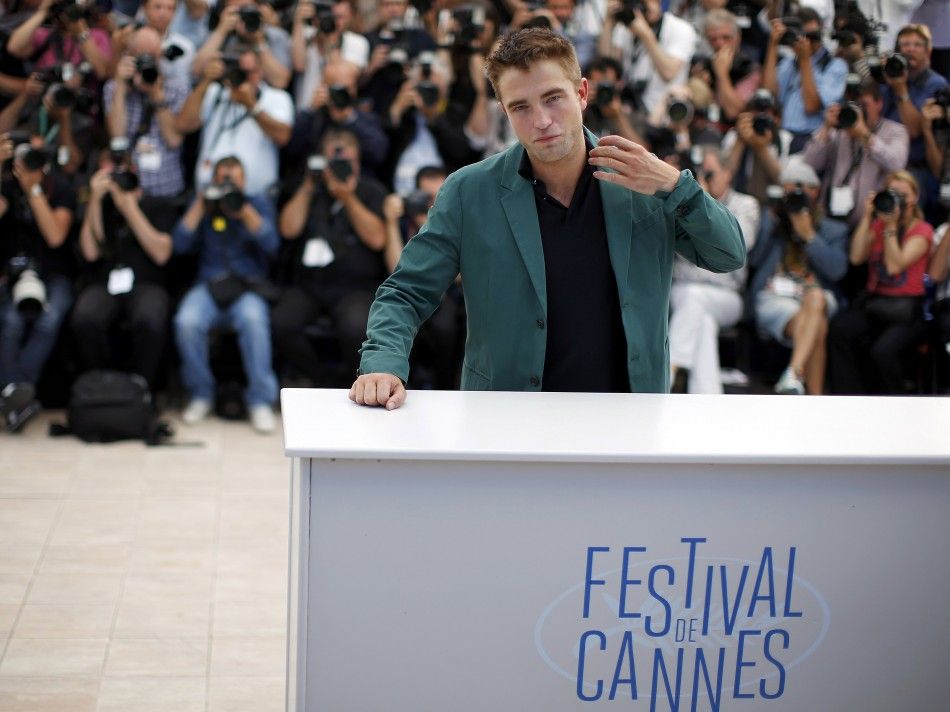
{"x": 180, "y": 67}
{"x": 354, "y": 48}
{"x": 230, "y": 130}
{"x": 677, "y": 38}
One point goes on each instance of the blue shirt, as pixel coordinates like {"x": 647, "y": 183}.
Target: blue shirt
{"x": 830, "y": 74}
{"x": 234, "y": 249}
{"x": 919, "y": 90}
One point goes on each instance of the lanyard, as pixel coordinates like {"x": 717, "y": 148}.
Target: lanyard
{"x": 223, "y": 127}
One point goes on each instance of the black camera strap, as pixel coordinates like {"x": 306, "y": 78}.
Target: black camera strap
{"x": 224, "y": 127}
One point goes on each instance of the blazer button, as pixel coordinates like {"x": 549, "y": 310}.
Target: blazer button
{"x": 540, "y": 323}
{"x": 682, "y": 210}
{"x": 535, "y": 381}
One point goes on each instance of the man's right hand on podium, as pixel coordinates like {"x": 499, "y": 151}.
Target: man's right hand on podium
{"x": 378, "y": 389}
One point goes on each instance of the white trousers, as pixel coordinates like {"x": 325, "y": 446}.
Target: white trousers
{"x": 698, "y": 312}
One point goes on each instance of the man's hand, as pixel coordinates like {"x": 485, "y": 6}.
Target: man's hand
{"x": 640, "y": 27}
{"x": 125, "y": 69}
{"x": 378, "y": 389}
{"x": 802, "y": 49}
{"x": 802, "y": 225}
{"x": 931, "y": 111}
{"x": 778, "y": 30}
{"x": 339, "y": 189}
{"x": 860, "y": 130}
{"x": 898, "y": 85}
{"x": 636, "y": 168}
{"x": 26, "y": 178}
{"x": 831, "y": 116}
{"x": 246, "y": 95}
{"x": 101, "y": 183}
{"x": 722, "y": 61}
{"x": 393, "y": 207}
{"x": 214, "y": 70}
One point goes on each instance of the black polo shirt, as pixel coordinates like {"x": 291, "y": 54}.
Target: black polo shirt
{"x": 586, "y": 346}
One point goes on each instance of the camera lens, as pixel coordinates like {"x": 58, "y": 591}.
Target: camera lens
{"x": 895, "y": 66}
{"x": 886, "y": 202}
{"x": 848, "y": 116}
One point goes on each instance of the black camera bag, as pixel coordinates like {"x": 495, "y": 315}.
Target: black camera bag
{"x": 106, "y": 406}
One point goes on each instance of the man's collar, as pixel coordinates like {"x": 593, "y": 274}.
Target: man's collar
{"x": 526, "y": 170}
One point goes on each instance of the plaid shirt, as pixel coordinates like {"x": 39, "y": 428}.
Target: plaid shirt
{"x": 167, "y": 180}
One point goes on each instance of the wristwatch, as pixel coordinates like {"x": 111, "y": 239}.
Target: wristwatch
{"x": 258, "y": 108}
{"x": 82, "y": 37}
{"x": 36, "y": 191}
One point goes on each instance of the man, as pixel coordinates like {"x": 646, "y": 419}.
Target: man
{"x": 241, "y": 23}
{"x": 335, "y": 219}
{"x": 566, "y": 267}
{"x": 806, "y": 84}
{"x": 241, "y": 116}
{"x": 853, "y": 154}
{"x": 235, "y": 237}
{"x": 703, "y": 302}
{"x": 141, "y": 106}
{"x": 654, "y": 46}
{"x": 735, "y": 76}
{"x": 178, "y": 52}
{"x": 606, "y": 114}
{"x": 126, "y": 241}
{"x": 757, "y": 147}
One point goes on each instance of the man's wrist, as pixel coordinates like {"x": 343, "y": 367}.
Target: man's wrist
{"x": 36, "y": 191}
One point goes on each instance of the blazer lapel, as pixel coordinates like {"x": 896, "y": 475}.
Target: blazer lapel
{"x": 618, "y": 219}
{"x": 518, "y": 202}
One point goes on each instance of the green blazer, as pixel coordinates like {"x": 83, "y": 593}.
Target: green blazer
{"x": 484, "y": 226}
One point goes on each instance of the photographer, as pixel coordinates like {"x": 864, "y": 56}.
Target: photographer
{"x": 338, "y": 265}
{"x": 936, "y": 135}
{"x": 177, "y": 51}
{"x": 239, "y": 116}
{"x": 606, "y": 114}
{"x": 703, "y": 302}
{"x": 68, "y": 40}
{"x": 333, "y": 105}
{"x": 654, "y": 46}
{"x": 757, "y": 148}
{"x": 235, "y": 237}
{"x": 853, "y": 151}
{"x": 910, "y": 83}
{"x": 798, "y": 259}
{"x": 241, "y": 24}
{"x": 126, "y": 241}
{"x": 36, "y": 214}
{"x": 867, "y": 342}
{"x": 735, "y": 76}
{"x": 809, "y": 82}
{"x": 321, "y": 35}
{"x": 141, "y": 105}
{"x": 48, "y": 112}
{"x": 420, "y": 132}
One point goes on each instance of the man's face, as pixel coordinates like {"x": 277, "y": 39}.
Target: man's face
{"x": 545, "y": 109}
{"x": 814, "y": 28}
{"x": 914, "y": 47}
{"x": 234, "y": 174}
{"x": 390, "y": 10}
{"x": 717, "y": 178}
{"x": 872, "y": 109}
{"x": 251, "y": 64}
{"x": 431, "y": 184}
{"x": 159, "y": 14}
{"x": 720, "y": 36}
{"x": 561, "y": 9}
{"x": 653, "y": 11}
{"x": 343, "y": 14}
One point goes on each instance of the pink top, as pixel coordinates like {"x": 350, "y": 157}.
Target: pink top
{"x": 71, "y": 51}
{"x": 910, "y": 282}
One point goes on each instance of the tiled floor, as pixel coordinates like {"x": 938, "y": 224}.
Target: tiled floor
{"x": 135, "y": 578}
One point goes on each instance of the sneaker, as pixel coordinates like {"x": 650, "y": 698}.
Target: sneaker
{"x": 262, "y": 418}
{"x": 789, "y": 384}
{"x": 196, "y": 411}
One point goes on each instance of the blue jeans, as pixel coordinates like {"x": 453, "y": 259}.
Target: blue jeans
{"x": 25, "y": 346}
{"x": 250, "y": 318}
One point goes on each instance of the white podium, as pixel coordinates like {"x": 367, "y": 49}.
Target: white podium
{"x": 521, "y": 552}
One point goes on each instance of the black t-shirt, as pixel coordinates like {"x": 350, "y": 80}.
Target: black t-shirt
{"x": 586, "y": 345}
{"x": 20, "y": 233}
{"x": 121, "y": 248}
{"x": 354, "y": 264}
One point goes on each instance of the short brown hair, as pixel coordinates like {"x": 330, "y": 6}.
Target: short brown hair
{"x": 917, "y": 29}
{"x": 523, "y": 48}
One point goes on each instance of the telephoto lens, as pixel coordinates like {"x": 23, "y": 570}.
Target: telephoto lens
{"x": 147, "y": 68}
{"x": 796, "y": 201}
{"x": 888, "y": 201}
{"x": 895, "y": 66}
{"x": 848, "y": 116}
{"x": 251, "y": 17}
{"x": 680, "y": 111}
{"x": 762, "y": 124}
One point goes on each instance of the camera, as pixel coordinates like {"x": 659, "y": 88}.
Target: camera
{"x": 324, "y": 19}
{"x": 341, "y": 167}
{"x": 223, "y": 199}
{"x": 796, "y": 201}
{"x": 762, "y": 100}
{"x": 67, "y": 11}
{"x": 395, "y": 69}
{"x": 340, "y": 97}
{"x": 146, "y": 66}
{"x": 27, "y": 289}
{"x": 315, "y": 166}
{"x": 680, "y": 111}
{"x": 417, "y": 203}
{"x": 793, "y": 31}
{"x": 852, "y": 87}
{"x": 125, "y": 179}
{"x": 875, "y": 68}
{"x": 33, "y": 159}
{"x": 251, "y": 17}
{"x": 234, "y": 74}
{"x": 428, "y": 89}
{"x": 848, "y": 116}
{"x": 844, "y": 38}
{"x": 626, "y": 13}
{"x": 604, "y": 93}
{"x": 471, "y": 24}
{"x": 895, "y": 66}
{"x": 762, "y": 124}
{"x": 888, "y": 201}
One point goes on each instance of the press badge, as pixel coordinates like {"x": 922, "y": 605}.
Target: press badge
{"x": 121, "y": 281}
{"x": 317, "y": 253}
{"x": 148, "y": 157}
{"x": 205, "y": 172}
{"x": 784, "y": 287}
{"x": 841, "y": 202}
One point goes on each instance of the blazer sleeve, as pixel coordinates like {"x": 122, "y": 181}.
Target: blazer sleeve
{"x": 706, "y": 233}
{"x": 429, "y": 264}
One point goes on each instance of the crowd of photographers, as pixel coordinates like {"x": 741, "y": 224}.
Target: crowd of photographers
{"x": 177, "y": 171}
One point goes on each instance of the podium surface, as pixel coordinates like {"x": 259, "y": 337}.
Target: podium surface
{"x": 543, "y": 551}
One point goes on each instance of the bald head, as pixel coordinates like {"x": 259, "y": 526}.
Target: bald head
{"x": 341, "y": 72}
{"x": 146, "y": 41}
